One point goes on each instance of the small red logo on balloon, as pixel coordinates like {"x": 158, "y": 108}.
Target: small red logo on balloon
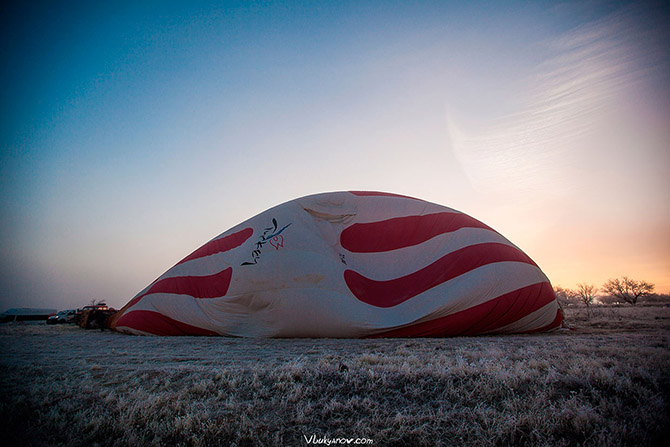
{"x": 277, "y": 241}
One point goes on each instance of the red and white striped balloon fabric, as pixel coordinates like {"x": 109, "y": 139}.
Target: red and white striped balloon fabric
{"x": 349, "y": 264}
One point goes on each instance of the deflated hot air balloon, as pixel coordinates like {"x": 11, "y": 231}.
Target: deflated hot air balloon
{"x": 349, "y": 264}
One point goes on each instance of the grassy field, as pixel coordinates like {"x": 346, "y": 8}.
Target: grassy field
{"x": 605, "y": 381}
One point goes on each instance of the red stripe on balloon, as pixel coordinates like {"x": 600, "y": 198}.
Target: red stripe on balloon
{"x": 514, "y": 306}
{"x": 400, "y": 232}
{"x": 380, "y": 194}
{"x": 485, "y": 317}
{"x": 553, "y": 325}
{"x": 158, "y": 324}
{"x": 216, "y": 246}
{"x": 395, "y": 291}
{"x": 220, "y": 245}
{"x": 211, "y": 286}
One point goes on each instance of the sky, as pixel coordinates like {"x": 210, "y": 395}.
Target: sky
{"x": 134, "y": 132}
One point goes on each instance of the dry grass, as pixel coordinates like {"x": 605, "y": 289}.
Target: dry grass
{"x": 604, "y": 382}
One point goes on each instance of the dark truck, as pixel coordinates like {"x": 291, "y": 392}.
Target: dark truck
{"x": 94, "y": 316}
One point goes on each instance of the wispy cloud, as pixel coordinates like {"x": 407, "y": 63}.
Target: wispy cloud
{"x": 593, "y": 70}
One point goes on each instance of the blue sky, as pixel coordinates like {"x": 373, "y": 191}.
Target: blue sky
{"x": 134, "y": 132}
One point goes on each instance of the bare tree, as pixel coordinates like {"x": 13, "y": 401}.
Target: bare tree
{"x": 564, "y": 296}
{"x": 586, "y": 293}
{"x": 627, "y": 289}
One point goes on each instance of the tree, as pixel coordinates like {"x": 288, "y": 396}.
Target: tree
{"x": 627, "y": 289}
{"x": 586, "y": 293}
{"x": 564, "y": 296}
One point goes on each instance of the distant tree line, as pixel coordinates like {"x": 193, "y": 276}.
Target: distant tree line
{"x": 614, "y": 291}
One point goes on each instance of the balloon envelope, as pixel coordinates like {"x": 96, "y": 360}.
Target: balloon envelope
{"x": 349, "y": 264}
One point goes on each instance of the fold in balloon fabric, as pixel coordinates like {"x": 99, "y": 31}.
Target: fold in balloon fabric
{"x": 349, "y": 264}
